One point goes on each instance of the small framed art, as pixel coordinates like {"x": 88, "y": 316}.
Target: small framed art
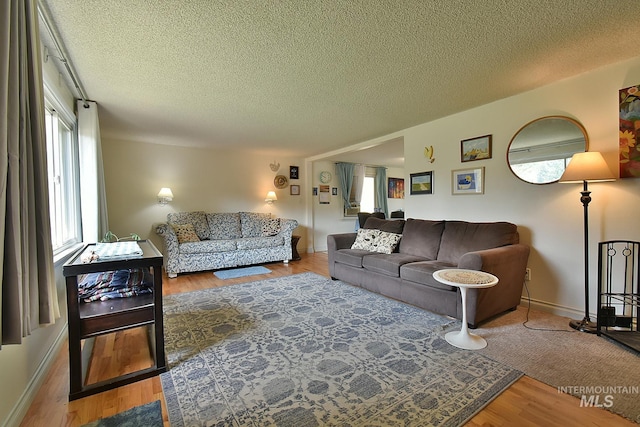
{"x": 293, "y": 172}
{"x": 294, "y": 190}
{"x": 478, "y": 148}
{"x": 467, "y": 181}
{"x": 395, "y": 188}
{"x": 422, "y": 183}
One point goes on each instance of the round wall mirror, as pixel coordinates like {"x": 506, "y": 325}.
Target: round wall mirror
{"x": 540, "y": 151}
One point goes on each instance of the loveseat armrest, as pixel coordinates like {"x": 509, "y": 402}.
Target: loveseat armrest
{"x": 508, "y": 264}
{"x": 171, "y": 248}
{"x": 336, "y": 242}
{"x": 287, "y": 226}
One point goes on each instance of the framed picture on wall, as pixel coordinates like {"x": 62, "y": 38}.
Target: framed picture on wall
{"x": 293, "y": 172}
{"x": 467, "y": 181}
{"x": 294, "y": 190}
{"x": 395, "y": 188}
{"x": 478, "y": 148}
{"x": 421, "y": 183}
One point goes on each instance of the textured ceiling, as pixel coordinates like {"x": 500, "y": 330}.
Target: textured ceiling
{"x": 300, "y": 78}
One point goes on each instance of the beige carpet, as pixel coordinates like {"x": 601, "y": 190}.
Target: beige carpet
{"x": 584, "y": 363}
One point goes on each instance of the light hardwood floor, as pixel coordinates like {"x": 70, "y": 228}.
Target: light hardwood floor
{"x": 526, "y": 403}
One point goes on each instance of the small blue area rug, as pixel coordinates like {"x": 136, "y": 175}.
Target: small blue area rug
{"x": 234, "y": 273}
{"x": 304, "y": 351}
{"x": 149, "y": 415}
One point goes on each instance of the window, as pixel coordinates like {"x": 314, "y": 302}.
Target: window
{"x": 367, "y": 203}
{"x": 367, "y": 197}
{"x": 62, "y": 165}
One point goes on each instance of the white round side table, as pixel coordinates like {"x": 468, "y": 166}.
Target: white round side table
{"x": 465, "y": 279}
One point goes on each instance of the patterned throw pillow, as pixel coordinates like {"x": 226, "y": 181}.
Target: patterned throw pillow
{"x": 271, "y": 227}
{"x": 376, "y": 241}
{"x": 185, "y": 232}
{"x": 251, "y": 223}
{"x": 197, "y": 218}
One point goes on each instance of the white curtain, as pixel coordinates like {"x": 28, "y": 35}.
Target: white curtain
{"x": 93, "y": 198}
{"x": 29, "y": 297}
{"x": 358, "y": 177}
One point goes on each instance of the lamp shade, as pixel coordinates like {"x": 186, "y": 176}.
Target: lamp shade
{"x": 165, "y": 193}
{"x": 587, "y": 166}
{"x": 271, "y": 197}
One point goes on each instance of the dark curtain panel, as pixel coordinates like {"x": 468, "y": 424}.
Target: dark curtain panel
{"x": 381, "y": 190}
{"x": 345, "y": 180}
{"x": 28, "y": 285}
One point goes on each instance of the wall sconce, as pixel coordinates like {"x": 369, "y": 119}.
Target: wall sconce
{"x": 271, "y": 197}
{"x": 165, "y": 195}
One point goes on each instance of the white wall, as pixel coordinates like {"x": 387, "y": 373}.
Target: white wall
{"x": 550, "y": 217}
{"x": 200, "y": 179}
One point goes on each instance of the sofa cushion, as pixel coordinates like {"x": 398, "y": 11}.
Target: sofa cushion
{"x": 251, "y": 223}
{"x": 197, "y": 218}
{"x": 352, "y": 257}
{"x": 185, "y": 233}
{"x": 387, "y": 264}
{"x": 460, "y": 237}
{"x": 208, "y": 246}
{"x": 421, "y": 238}
{"x": 422, "y": 272}
{"x": 271, "y": 227}
{"x": 259, "y": 242}
{"x": 376, "y": 241}
{"x": 388, "y": 225}
{"x": 224, "y": 225}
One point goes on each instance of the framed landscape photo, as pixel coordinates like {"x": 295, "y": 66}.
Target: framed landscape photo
{"x": 467, "y": 181}
{"x": 422, "y": 183}
{"x": 294, "y": 190}
{"x": 478, "y": 148}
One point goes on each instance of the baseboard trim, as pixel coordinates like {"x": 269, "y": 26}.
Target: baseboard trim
{"x": 558, "y": 310}
{"x": 29, "y": 394}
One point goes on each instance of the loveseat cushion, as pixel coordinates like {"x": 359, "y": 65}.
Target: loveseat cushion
{"x": 197, "y": 218}
{"x": 421, "y": 238}
{"x": 422, "y": 272}
{"x": 251, "y": 223}
{"x": 259, "y": 242}
{"x": 208, "y": 246}
{"x": 387, "y": 264}
{"x": 224, "y": 225}
{"x": 388, "y": 225}
{"x": 460, "y": 237}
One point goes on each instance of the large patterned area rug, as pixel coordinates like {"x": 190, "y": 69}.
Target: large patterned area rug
{"x": 303, "y": 350}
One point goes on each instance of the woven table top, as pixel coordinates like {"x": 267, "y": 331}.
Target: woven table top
{"x": 467, "y": 277}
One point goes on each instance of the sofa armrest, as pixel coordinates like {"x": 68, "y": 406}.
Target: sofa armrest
{"x": 171, "y": 248}
{"x": 336, "y": 242}
{"x": 508, "y": 264}
{"x": 340, "y": 241}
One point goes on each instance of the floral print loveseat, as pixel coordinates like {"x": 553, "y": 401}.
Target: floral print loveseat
{"x": 198, "y": 241}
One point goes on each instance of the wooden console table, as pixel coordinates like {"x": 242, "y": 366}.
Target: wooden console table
{"x": 88, "y": 320}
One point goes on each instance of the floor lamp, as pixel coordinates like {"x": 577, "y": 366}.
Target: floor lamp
{"x": 586, "y": 167}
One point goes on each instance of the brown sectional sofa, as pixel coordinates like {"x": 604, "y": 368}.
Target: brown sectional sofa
{"x": 406, "y": 274}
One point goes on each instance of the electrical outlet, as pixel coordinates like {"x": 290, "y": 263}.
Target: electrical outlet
{"x": 527, "y": 274}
